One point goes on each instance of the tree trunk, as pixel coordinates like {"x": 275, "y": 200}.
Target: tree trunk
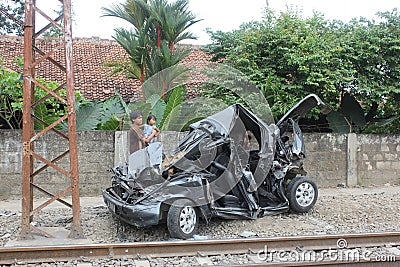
{"x": 158, "y": 36}
{"x": 172, "y": 47}
{"x": 164, "y": 89}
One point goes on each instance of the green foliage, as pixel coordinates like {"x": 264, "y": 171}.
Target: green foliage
{"x": 158, "y": 107}
{"x": 168, "y": 111}
{"x": 157, "y": 26}
{"x": 173, "y": 108}
{"x": 349, "y": 117}
{"x": 352, "y": 110}
{"x": 136, "y": 47}
{"x": 162, "y": 58}
{"x": 51, "y": 109}
{"x": 384, "y": 126}
{"x": 112, "y": 108}
{"x": 106, "y": 115}
{"x": 338, "y": 123}
{"x": 289, "y": 57}
{"x": 112, "y": 114}
{"x": 88, "y": 116}
{"x": 10, "y": 99}
{"x": 294, "y": 57}
{"x": 13, "y": 23}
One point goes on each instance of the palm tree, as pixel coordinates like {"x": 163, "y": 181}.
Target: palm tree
{"x": 180, "y": 19}
{"x": 134, "y": 42}
{"x": 157, "y": 27}
{"x": 170, "y": 21}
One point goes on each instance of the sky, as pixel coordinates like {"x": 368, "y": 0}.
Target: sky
{"x": 225, "y": 15}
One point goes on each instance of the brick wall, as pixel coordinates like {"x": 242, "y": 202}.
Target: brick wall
{"x": 376, "y": 159}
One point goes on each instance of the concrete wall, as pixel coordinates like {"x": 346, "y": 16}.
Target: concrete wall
{"x": 326, "y": 158}
{"x": 378, "y": 159}
{"x": 10, "y": 163}
{"x": 332, "y": 159}
{"x": 95, "y": 155}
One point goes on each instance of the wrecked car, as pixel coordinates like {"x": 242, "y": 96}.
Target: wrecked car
{"x": 230, "y": 165}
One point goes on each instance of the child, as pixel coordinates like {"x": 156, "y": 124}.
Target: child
{"x": 150, "y": 126}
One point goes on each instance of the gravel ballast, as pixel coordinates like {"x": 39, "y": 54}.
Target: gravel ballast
{"x": 338, "y": 210}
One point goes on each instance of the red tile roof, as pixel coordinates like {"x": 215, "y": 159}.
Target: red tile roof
{"x": 89, "y": 55}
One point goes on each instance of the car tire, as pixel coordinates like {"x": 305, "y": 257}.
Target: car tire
{"x": 182, "y": 219}
{"x": 302, "y": 193}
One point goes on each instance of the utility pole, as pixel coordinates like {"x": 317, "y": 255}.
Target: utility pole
{"x": 33, "y": 164}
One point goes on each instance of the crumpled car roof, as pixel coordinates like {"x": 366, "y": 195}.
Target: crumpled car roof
{"x": 229, "y": 117}
{"x": 234, "y": 115}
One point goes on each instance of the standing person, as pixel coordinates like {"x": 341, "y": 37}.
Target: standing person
{"x": 150, "y": 126}
{"x": 137, "y": 140}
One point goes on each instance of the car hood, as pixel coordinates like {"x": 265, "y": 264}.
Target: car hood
{"x": 303, "y": 107}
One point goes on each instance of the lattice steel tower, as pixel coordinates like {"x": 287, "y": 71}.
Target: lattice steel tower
{"x": 33, "y": 164}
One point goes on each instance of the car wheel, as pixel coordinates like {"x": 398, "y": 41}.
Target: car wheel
{"x": 182, "y": 219}
{"x": 302, "y": 193}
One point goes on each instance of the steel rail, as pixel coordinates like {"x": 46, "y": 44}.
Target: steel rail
{"x": 10, "y": 255}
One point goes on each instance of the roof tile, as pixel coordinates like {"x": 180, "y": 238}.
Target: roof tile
{"x": 89, "y": 56}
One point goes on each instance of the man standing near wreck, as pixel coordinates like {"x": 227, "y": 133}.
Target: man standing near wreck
{"x": 137, "y": 140}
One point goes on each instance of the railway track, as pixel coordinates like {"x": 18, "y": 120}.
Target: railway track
{"x": 310, "y": 250}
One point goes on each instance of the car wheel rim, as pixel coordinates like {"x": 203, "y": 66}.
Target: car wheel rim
{"x": 187, "y": 219}
{"x": 305, "y": 194}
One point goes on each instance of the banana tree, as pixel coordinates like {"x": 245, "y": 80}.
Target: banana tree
{"x": 96, "y": 115}
{"x": 349, "y": 118}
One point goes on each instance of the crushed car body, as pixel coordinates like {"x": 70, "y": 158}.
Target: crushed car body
{"x": 230, "y": 165}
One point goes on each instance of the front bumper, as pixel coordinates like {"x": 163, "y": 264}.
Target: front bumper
{"x": 140, "y": 215}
